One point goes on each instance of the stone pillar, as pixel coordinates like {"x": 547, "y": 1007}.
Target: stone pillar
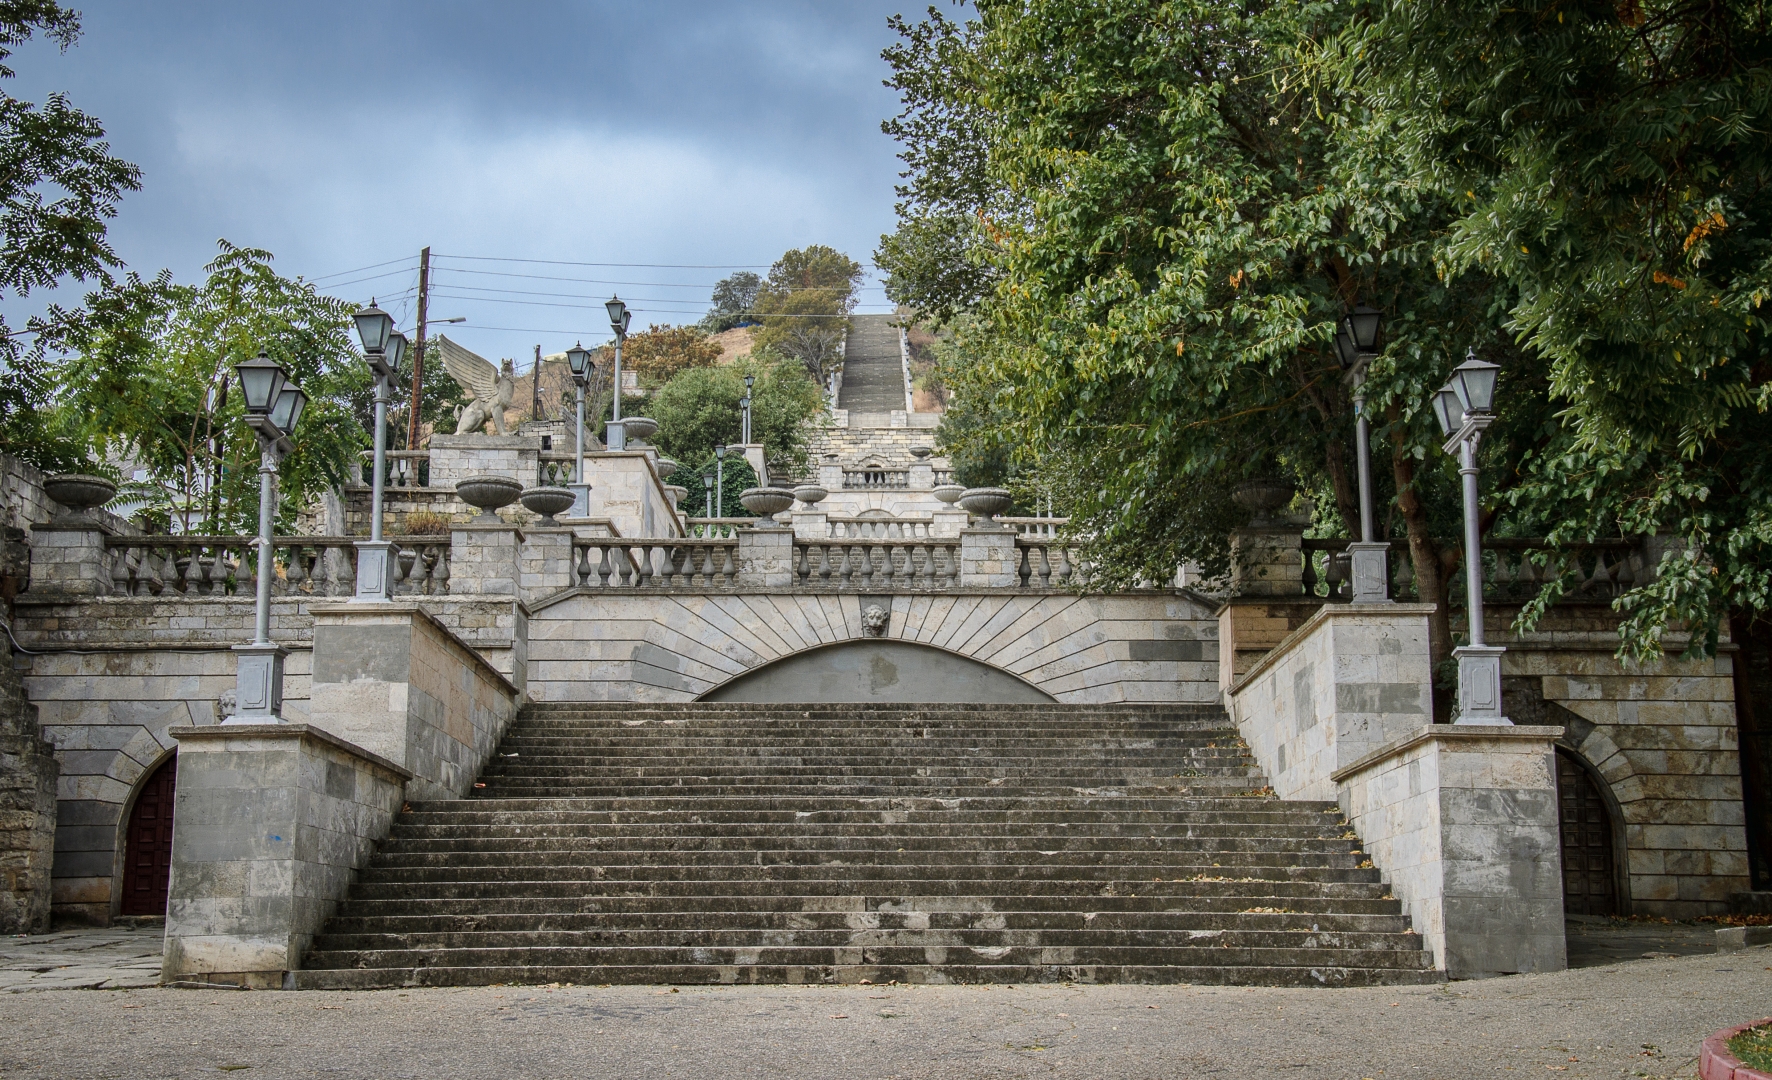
{"x": 1479, "y": 684}
{"x": 271, "y": 824}
{"x": 922, "y": 476}
{"x": 1462, "y": 821}
{"x": 949, "y": 521}
{"x": 68, "y": 557}
{"x": 626, "y": 490}
{"x": 455, "y": 457}
{"x": 765, "y": 558}
{"x": 483, "y": 560}
{"x": 1267, "y": 561}
{"x": 812, "y": 524}
{"x": 830, "y": 474}
{"x": 545, "y": 561}
{"x": 753, "y": 456}
{"x": 988, "y": 559}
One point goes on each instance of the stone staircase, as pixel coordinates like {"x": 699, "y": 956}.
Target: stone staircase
{"x": 873, "y": 368}
{"x": 715, "y": 843}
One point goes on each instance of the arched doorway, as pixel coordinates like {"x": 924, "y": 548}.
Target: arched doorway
{"x": 147, "y": 846}
{"x": 1590, "y": 867}
{"x": 878, "y": 670}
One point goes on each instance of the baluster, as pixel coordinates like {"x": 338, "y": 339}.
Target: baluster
{"x": 642, "y": 566}
{"x": 1023, "y": 568}
{"x": 870, "y": 565}
{"x": 682, "y": 572}
{"x": 824, "y": 564}
{"x": 845, "y": 568}
{"x": 1310, "y": 572}
{"x": 1064, "y": 565}
{"x": 147, "y": 578}
{"x": 1045, "y": 567}
{"x": 729, "y": 563}
{"x": 440, "y": 569}
{"x": 604, "y": 570}
{"x": 1627, "y": 573}
{"x": 211, "y": 572}
{"x": 400, "y": 569}
{"x": 347, "y": 570}
{"x": 119, "y": 571}
{"x": 424, "y": 568}
{"x": 295, "y": 558}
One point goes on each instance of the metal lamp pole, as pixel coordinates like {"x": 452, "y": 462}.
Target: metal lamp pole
{"x": 578, "y": 361}
{"x": 720, "y": 477}
{"x": 707, "y": 483}
{"x": 273, "y": 408}
{"x": 745, "y": 404}
{"x": 1465, "y": 409}
{"x": 619, "y": 318}
{"x": 383, "y": 349}
{"x": 1356, "y": 343}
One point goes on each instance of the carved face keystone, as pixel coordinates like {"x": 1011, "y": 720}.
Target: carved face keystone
{"x": 874, "y": 620}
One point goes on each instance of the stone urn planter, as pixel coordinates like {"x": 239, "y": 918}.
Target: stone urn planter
{"x": 666, "y": 466}
{"x": 546, "y": 501}
{"x": 766, "y": 502}
{"x": 921, "y": 453}
{"x": 79, "y": 493}
{"x": 810, "y": 494}
{"x": 1264, "y": 497}
{"x": 487, "y": 494}
{"x": 948, "y": 493}
{"x": 1717, "y": 1062}
{"x": 986, "y": 504}
{"x": 639, "y": 427}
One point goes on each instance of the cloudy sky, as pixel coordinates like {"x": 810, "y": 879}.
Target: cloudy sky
{"x": 589, "y": 138}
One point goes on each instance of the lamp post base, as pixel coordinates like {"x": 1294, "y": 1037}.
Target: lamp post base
{"x": 258, "y": 684}
{"x": 581, "y": 500}
{"x": 1479, "y": 684}
{"x": 1371, "y": 571}
{"x": 374, "y": 559}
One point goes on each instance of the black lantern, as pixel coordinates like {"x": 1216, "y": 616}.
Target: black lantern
{"x": 1345, "y": 352}
{"x": 720, "y": 452}
{"x": 618, "y": 315}
{"x": 373, "y": 327}
{"x": 578, "y": 359}
{"x": 286, "y": 413}
{"x": 707, "y": 481}
{"x": 1448, "y": 410}
{"x": 1474, "y": 383}
{"x": 1362, "y": 326}
{"x": 396, "y": 352}
{"x": 261, "y": 380}
{"x": 749, "y": 381}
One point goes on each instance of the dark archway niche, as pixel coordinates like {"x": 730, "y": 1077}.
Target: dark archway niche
{"x": 878, "y": 670}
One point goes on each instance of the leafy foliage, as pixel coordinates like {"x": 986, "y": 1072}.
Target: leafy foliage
{"x": 733, "y": 299}
{"x": 804, "y": 307}
{"x": 660, "y": 352}
{"x": 734, "y": 476}
{"x": 698, "y": 410}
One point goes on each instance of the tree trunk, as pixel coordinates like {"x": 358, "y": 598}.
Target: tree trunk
{"x": 1347, "y": 498}
{"x": 1431, "y": 570}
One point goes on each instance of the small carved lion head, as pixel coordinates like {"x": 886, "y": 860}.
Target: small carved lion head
{"x": 874, "y": 620}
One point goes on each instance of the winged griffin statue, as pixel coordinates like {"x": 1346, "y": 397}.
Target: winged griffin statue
{"x": 490, "y": 387}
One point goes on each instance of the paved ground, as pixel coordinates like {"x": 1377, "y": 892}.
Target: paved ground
{"x": 113, "y": 959}
{"x": 1643, "y": 1018}
{"x": 1594, "y": 940}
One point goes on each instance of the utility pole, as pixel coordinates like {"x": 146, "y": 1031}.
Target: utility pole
{"x": 418, "y": 352}
{"x": 535, "y": 397}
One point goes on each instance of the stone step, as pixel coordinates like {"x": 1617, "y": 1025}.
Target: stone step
{"x": 496, "y": 836}
{"x": 1261, "y": 892}
{"x": 974, "y": 860}
{"x": 1213, "y": 974}
{"x": 1224, "y": 898}
{"x": 929, "y": 841}
{"x": 931, "y": 788}
{"x": 816, "y": 808}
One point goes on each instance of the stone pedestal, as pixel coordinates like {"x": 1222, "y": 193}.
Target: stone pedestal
{"x": 988, "y": 559}
{"x": 374, "y": 582}
{"x": 483, "y": 560}
{"x": 1371, "y": 572}
{"x": 812, "y": 525}
{"x": 69, "y": 558}
{"x": 921, "y": 476}
{"x": 765, "y": 558}
{"x": 271, "y": 823}
{"x": 627, "y": 491}
{"x": 258, "y": 684}
{"x": 1479, "y": 684}
{"x": 544, "y": 562}
{"x": 1267, "y": 561}
{"x": 456, "y": 457}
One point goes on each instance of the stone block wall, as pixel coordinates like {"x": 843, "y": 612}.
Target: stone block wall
{"x": 652, "y": 645}
{"x": 1350, "y": 680}
{"x": 1463, "y": 822}
{"x": 272, "y": 824}
{"x": 28, "y": 774}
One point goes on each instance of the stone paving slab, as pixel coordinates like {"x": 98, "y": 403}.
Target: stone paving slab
{"x": 117, "y": 958}
{"x": 1642, "y": 1019}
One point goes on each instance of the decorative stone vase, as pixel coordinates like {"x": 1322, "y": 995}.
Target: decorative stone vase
{"x": 766, "y": 502}
{"x": 948, "y": 493}
{"x": 487, "y": 494}
{"x": 810, "y": 494}
{"x": 677, "y": 494}
{"x": 986, "y": 503}
{"x": 666, "y": 466}
{"x": 921, "y": 453}
{"x": 79, "y": 493}
{"x": 546, "y": 501}
{"x": 639, "y": 427}
{"x": 1263, "y": 497}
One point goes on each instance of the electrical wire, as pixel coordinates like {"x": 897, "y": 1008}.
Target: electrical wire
{"x": 600, "y": 281}
{"x": 360, "y": 269}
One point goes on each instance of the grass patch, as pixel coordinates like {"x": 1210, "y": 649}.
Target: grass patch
{"x": 1754, "y": 1047}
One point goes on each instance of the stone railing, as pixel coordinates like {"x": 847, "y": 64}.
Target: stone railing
{"x": 611, "y": 563}
{"x": 1513, "y": 569}
{"x": 192, "y": 566}
{"x": 864, "y": 528}
{"x": 556, "y": 469}
{"x": 872, "y": 564}
{"x": 875, "y": 479}
{"x": 1043, "y": 563}
{"x": 1035, "y": 526}
{"x": 412, "y": 468}
{"x": 942, "y": 476}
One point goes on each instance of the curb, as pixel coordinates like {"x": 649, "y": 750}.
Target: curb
{"x": 1715, "y": 1062}
{"x": 1737, "y": 938}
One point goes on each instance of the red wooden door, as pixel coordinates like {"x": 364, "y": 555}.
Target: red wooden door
{"x": 147, "y": 846}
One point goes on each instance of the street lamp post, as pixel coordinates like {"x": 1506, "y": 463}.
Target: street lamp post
{"x": 273, "y": 408}
{"x": 720, "y": 477}
{"x": 383, "y": 348}
{"x": 745, "y": 405}
{"x": 1465, "y": 409}
{"x": 707, "y": 483}
{"x": 578, "y": 360}
{"x": 1356, "y": 343}
{"x": 619, "y": 318}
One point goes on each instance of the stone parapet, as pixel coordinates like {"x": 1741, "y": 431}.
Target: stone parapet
{"x": 69, "y": 559}
{"x": 393, "y": 679}
{"x": 272, "y": 823}
{"x": 456, "y": 457}
{"x": 1463, "y": 822}
{"x": 484, "y": 560}
{"x": 1267, "y": 561}
{"x": 627, "y": 491}
{"x": 988, "y": 559}
{"x": 765, "y": 558}
{"x": 1250, "y": 627}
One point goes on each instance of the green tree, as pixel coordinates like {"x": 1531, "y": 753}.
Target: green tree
{"x": 698, "y": 410}
{"x": 734, "y": 477}
{"x": 734, "y": 297}
{"x": 1609, "y": 162}
{"x": 660, "y": 352}
{"x": 804, "y": 307}
{"x": 172, "y": 407}
{"x": 59, "y": 186}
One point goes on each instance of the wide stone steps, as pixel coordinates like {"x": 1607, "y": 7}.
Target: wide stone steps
{"x": 746, "y": 843}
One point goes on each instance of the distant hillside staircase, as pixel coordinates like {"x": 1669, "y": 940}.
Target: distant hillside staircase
{"x": 873, "y": 367}
{"x": 708, "y": 843}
